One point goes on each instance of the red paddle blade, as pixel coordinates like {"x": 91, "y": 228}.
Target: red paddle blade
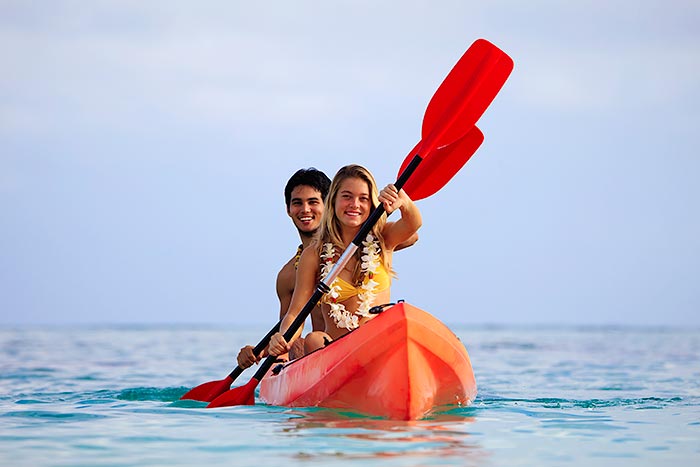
{"x": 441, "y": 165}
{"x": 465, "y": 94}
{"x": 242, "y": 395}
{"x": 207, "y": 392}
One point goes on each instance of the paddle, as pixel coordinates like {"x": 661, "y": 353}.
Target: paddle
{"x": 464, "y": 94}
{"x": 439, "y": 168}
{"x": 207, "y": 392}
{"x": 456, "y": 154}
{"x": 485, "y": 73}
{"x": 462, "y": 98}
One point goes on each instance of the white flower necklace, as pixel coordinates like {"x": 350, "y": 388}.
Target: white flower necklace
{"x": 370, "y": 262}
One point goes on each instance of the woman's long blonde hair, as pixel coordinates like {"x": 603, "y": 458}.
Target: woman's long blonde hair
{"x": 330, "y": 225}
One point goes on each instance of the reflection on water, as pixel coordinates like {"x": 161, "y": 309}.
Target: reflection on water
{"x": 445, "y": 435}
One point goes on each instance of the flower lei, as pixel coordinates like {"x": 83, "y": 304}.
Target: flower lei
{"x": 370, "y": 262}
{"x": 297, "y": 257}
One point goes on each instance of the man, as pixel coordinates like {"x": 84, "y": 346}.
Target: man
{"x": 304, "y": 196}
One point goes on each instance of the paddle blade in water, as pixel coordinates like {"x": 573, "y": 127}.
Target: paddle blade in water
{"x": 242, "y": 395}
{"x": 465, "y": 94}
{"x": 207, "y": 392}
{"x": 441, "y": 165}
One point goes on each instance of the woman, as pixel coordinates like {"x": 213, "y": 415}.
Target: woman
{"x": 366, "y": 279}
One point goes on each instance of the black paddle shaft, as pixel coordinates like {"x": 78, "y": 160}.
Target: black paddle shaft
{"x": 323, "y": 286}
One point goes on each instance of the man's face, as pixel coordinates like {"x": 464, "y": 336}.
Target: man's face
{"x": 305, "y": 209}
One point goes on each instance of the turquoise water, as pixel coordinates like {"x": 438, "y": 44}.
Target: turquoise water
{"x": 108, "y": 396}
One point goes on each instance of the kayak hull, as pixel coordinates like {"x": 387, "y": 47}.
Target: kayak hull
{"x": 400, "y": 365}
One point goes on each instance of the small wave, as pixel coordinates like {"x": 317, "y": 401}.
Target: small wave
{"x": 508, "y": 345}
{"x": 152, "y": 394}
{"x": 558, "y": 403}
{"x": 31, "y": 401}
{"x": 29, "y": 373}
{"x": 188, "y": 404}
{"x": 51, "y": 415}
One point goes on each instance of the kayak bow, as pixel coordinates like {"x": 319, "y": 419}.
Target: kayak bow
{"x": 401, "y": 365}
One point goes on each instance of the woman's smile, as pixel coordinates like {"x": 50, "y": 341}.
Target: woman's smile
{"x": 353, "y": 202}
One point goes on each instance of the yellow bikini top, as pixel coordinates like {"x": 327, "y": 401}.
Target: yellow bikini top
{"x": 376, "y": 277}
{"x": 347, "y": 290}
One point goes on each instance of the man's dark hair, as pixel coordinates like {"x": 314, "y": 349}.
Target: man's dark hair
{"x": 309, "y": 177}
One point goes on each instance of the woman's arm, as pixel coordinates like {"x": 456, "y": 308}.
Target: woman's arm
{"x": 402, "y": 230}
{"x": 306, "y": 281}
{"x": 407, "y": 243}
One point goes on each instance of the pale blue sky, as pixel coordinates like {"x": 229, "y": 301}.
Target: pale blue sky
{"x": 144, "y": 147}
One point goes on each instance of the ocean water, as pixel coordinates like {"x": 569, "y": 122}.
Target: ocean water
{"x": 109, "y": 396}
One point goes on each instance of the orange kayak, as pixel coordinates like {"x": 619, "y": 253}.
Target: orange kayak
{"x": 400, "y": 365}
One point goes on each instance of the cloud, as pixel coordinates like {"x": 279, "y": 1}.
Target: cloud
{"x": 579, "y": 81}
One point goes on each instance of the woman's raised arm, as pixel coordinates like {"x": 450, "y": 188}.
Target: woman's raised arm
{"x": 411, "y": 220}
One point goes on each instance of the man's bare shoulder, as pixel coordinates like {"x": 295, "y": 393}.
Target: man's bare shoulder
{"x": 287, "y": 275}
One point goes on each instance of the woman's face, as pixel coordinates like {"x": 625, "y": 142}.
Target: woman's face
{"x": 353, "y": 202}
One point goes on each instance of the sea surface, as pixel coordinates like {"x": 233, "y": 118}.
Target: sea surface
{"x": 552, "y": 396}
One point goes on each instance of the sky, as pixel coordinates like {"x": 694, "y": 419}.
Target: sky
{"x": 144, "y": 147}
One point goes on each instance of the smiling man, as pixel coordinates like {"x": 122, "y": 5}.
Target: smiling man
{"x": 303, "y": 195}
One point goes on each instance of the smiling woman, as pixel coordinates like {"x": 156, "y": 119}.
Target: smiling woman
{"x": 366, "y": 279}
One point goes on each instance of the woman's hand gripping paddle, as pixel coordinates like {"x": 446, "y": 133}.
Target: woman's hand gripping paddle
{"x": 461, "y": 99}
